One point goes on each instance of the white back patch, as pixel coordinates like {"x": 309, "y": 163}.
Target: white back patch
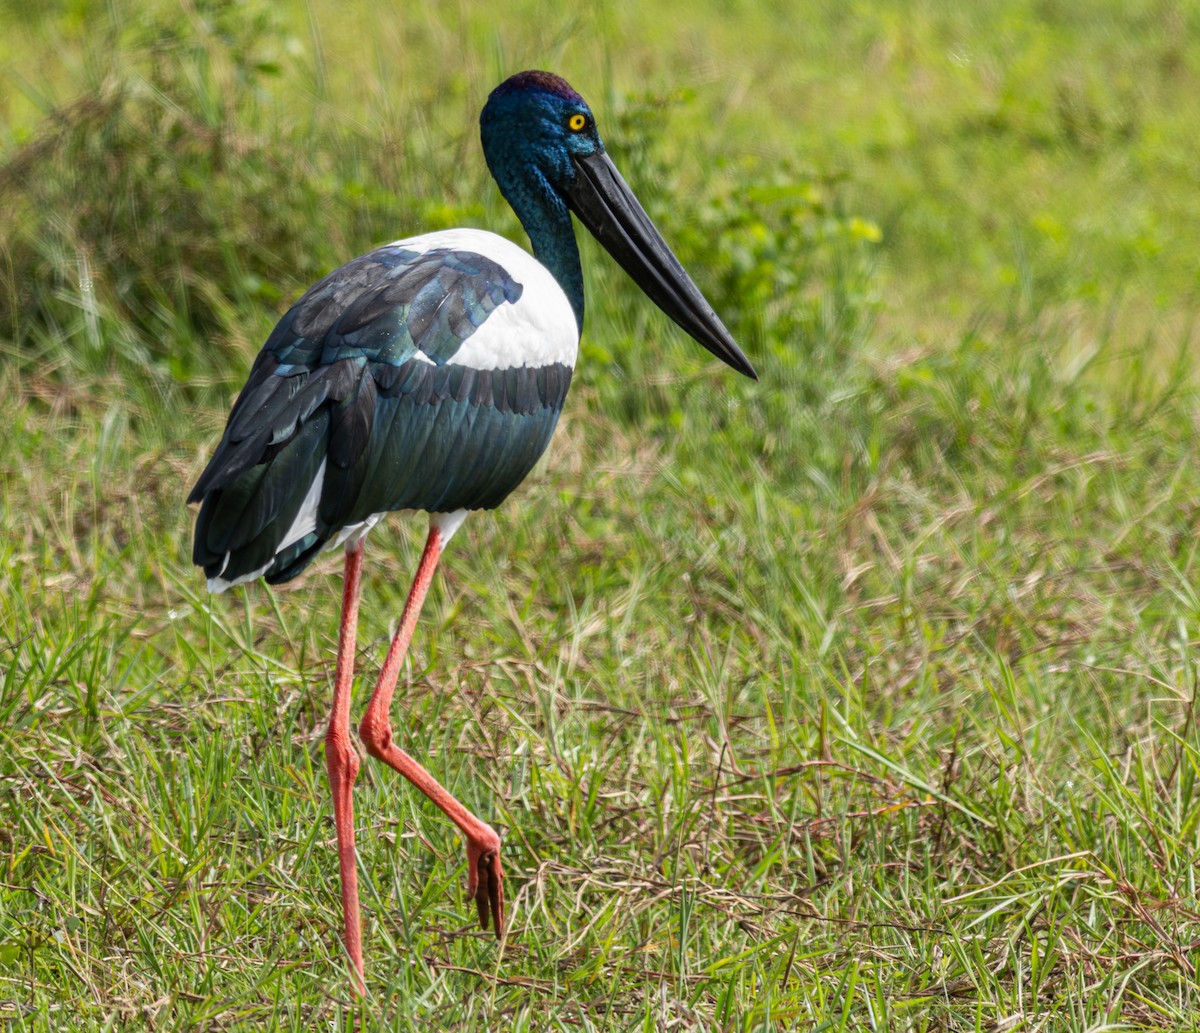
{"x": 538, "y": 330}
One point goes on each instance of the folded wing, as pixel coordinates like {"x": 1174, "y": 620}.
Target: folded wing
{"x": 356, "y": 406}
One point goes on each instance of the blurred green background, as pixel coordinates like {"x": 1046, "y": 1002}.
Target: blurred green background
{"x": 857, "y": 698}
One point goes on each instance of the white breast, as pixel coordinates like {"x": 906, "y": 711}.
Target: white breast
{"x": 538, "y": 330}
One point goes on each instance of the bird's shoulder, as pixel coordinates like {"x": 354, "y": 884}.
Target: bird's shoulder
{"x": 415, "y": 299}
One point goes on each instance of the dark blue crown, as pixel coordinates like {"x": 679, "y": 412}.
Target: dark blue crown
{"x": 535, "y": 81}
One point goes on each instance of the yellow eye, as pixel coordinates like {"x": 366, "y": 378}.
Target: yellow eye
{"x": 576, "y": 122}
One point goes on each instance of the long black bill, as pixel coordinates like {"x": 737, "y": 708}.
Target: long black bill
{"x": 607, "y": 207}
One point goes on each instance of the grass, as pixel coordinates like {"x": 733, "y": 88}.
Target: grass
{"x": 860, "y": 698}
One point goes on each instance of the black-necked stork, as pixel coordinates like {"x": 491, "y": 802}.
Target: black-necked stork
{"x": 428, "y": 375}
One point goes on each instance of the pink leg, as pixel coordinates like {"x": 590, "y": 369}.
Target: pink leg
{"x": 342, "y": 761}
{"x": 484, "y": 877}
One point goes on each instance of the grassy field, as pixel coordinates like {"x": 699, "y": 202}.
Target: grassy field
{"x": 861, "y": 698}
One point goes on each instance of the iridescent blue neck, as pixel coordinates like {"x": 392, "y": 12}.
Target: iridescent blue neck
{"x": 553, "y": 238}
{"x": 547, "y": 221}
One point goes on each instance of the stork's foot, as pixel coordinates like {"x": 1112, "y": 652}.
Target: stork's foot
{"x": 485, "y": 880}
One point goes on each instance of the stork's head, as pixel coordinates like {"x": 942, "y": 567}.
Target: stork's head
{"x": 541, "y": 143}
